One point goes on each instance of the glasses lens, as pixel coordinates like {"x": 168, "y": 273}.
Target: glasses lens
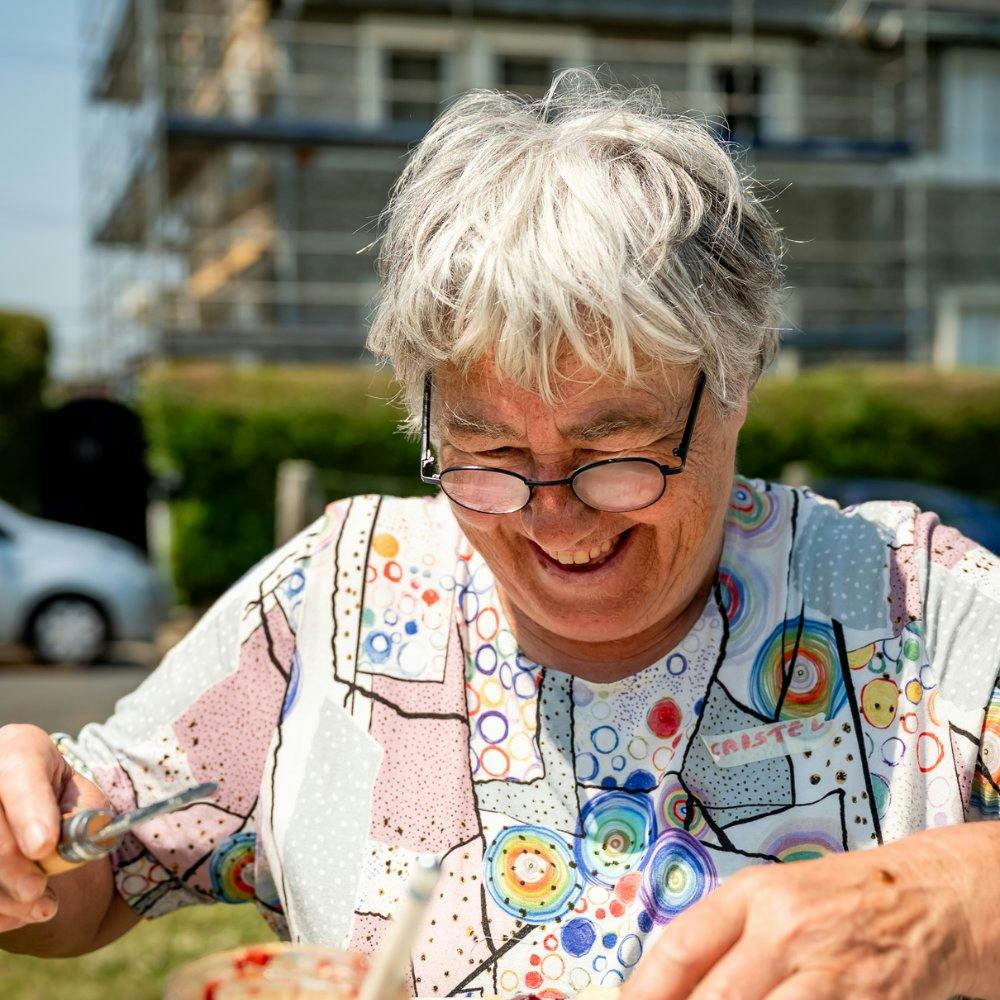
{"x": 485, "y": 490}
{"x": 620, "y": 486}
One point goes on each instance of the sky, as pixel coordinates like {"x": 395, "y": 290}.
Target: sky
{"x": 42, "y": 241}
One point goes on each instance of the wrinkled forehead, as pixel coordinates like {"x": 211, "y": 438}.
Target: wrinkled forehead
{"x": 587, "y": 405}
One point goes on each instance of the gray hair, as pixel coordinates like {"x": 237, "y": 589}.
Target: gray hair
{"x": 590, "y": 219}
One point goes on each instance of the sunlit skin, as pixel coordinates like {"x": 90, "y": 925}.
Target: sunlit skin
{"x": 898, "y": 921}
{"x": 913, "y": 920}
{"x": 617, "y": 618}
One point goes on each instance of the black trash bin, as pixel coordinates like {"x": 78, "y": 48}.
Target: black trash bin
{"x": 93, "y": 468}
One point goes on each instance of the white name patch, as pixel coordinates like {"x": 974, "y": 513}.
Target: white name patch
{"x": 772, "y": 739}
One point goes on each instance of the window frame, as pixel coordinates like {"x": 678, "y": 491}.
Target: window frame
{"x": 954, "y": 156}
{"x": 781, "y": 82}
{"x": 948, "y": 326}
{"x": 377, "y": 37}
{"x": 566, "y": 47}
{"x": 470, "y": 53}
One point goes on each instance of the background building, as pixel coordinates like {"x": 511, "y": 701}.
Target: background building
{"x": 239, "y": 153}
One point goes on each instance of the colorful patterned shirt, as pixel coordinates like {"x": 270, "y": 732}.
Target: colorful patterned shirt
{"x": 361, "y": 700}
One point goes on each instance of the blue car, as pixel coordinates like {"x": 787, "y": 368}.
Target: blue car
{"x": 976, "y": 519}
{"x": 67, "y": 591}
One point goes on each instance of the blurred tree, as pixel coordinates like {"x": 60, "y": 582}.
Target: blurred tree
{"x": 24, "y": 349}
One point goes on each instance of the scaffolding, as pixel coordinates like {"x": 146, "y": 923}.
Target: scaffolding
{"x": 239, "y": 151}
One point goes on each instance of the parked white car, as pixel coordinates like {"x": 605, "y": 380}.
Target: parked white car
{"x": 67, "y": 591}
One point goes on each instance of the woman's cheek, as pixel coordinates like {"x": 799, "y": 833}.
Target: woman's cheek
{"x": 478, "y": 528}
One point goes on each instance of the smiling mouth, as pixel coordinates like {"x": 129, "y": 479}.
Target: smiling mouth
{"x": 584, "y": 560}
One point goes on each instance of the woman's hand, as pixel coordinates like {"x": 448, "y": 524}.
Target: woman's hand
{"x": 919, "y": 918}
{"x": 36, "y": 786}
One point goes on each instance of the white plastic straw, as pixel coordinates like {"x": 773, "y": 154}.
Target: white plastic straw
{"x": 393, "y": 961}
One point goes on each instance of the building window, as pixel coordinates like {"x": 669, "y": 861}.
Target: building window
{"x": 413, "y": 85}
{"x": 970, "y": 125}
{"x": 738, "y": 87}
{"x": 968, "y": 329}
{"x": 409, "y": 67}
{"x": 527, "y": 75}
{"x": 979, "y": 337}
{"x": 753, "y": 89}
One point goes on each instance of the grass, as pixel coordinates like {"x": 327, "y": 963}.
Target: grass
{"x": 136, "y": 966}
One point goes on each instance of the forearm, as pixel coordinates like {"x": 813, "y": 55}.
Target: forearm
{"x": 971, "y": 855}
{"x": 85, "y": 898}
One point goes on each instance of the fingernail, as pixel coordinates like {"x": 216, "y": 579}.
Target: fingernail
{"x": 44, "y": 909}
{"x": 29, "y": 888}
{"x": 36, "y": 836}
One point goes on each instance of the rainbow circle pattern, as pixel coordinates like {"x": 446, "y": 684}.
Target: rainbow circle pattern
{"x": 531, "y": 874}
{"x": 734, "y": 596}
{"x": 752, "y": 512}
{"x": 616, "y": 829}
{"x": 294, "y": 684}
{"x": 882, "y": 794}
{"x": 986, "y": 782}
{"x": 803, "y": 846}
{"x": 816, "y": 684}
{"x": 673, "y": 807}
{"x": 679, "y": 873}
{"x": 744, "y": 593}
{"x": 231, "y": 868}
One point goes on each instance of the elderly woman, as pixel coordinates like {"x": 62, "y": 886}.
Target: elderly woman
{"x": 615, "y": 688}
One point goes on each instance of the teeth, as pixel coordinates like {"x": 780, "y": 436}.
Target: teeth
{"x": 577, "y": 557}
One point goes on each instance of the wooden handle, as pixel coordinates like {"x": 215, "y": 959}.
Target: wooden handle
{"x": 55, "y": 863}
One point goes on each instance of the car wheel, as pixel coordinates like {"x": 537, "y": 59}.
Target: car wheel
{"x": 69, "y": 630}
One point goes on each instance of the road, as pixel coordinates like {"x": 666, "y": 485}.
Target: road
{"x": 64, "y": 698}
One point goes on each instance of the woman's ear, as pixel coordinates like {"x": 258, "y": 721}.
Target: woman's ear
{"x": 740, "y": 413}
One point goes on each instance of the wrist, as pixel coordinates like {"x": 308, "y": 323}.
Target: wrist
{"x": 967, "y": 868}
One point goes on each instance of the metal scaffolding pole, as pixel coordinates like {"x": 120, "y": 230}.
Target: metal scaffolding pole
{"x": 916, "y": 292}
{"x": 155, "y": 172}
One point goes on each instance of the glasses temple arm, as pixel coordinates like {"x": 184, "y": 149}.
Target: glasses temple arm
{"x": 682, "y": 449}
{"x": 426, "y": 455}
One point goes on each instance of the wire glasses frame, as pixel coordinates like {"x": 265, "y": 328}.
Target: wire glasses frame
{"x": 504, "y": 492}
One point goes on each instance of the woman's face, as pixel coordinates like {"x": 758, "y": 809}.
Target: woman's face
{"x": 576, "y": 573}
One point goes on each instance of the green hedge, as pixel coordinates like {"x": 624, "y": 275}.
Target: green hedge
{"x": 879, "y": 422}
{"x": 226, "y": 430}
{"x": 24, "y": 346}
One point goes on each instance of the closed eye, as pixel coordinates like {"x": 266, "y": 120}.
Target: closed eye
{"x": 494, "y": 455}
{"x": 475, "y": 454}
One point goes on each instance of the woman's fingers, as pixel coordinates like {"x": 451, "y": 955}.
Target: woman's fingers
{"x": 9, "y": 924}
{"x": 31, "y": 769}
{"x": 19, "y": 877}
{"x": 24, "y": 894}
{"x": 746, "y": 971}
{"x": 32, "y": 774}
{"x": 690, "y": 945}
{"x": 37, "y": 911}
{"x": 809, "y": 987}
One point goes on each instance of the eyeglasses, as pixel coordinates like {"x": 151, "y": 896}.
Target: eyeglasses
{"x": 613, "y": 484}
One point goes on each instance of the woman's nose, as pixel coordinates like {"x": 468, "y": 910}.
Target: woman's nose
{"x": 555, "y": 515}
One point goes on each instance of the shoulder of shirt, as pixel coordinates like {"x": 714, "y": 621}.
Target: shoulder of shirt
{"x": 907, "y": 531}
{"x": 896, "y": 521}
{"x": 357, "y": 515}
